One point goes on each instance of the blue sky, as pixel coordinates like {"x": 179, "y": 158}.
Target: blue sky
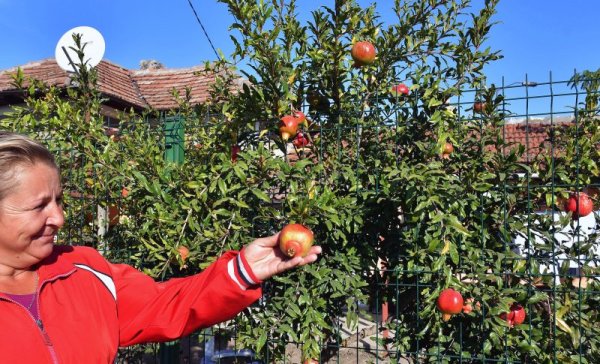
{"x": 535, "y": 36}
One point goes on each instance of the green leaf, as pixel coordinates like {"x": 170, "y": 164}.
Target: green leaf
{"x": 454, "y": 254}
{"x": 452, "y": 221}
{"x": 561, "y": 324}
{"x": 261, "y": 340}
{"x": 261, "y": 195}
{"x": 537, "y": 297}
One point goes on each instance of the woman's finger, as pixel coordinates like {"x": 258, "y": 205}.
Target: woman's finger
{"x": 268, "y": 241}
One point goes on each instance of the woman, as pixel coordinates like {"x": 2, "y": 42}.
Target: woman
{"x": 64, "y": 304}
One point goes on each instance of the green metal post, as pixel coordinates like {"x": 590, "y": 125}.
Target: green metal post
{"x": 169, "y": 352}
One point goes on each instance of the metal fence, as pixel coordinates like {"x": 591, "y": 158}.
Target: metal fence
{"x": 531, "y": 110}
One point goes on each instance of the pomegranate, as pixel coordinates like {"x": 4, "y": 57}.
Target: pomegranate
{"x": 288, "y": 127}
{"x": 516, "y": 316}
{"x": 450, "y": 302}
{"x": 300, "y": 141}
{"x": 184, "y": 252}
{"x": 295, "y": 240}
{"x": 580, "y": 204}
{"x": 235, "y": 150}
{"x": 400, "y": 89}
{"x": 448, "y": 148}
{"x": 470, "y": 305}
{"x": 363, "y": 53}
{"x": 479, "y": 107}
{"x": 468, "y": 308}
{"x": 301, "y": 118}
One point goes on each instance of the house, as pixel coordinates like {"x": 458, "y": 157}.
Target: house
{"x": 148, "y": 88}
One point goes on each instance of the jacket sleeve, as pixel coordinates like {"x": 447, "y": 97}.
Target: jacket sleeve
{"x": 151, "y": 311}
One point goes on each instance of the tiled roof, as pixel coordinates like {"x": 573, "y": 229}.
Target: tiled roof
{"x": 46, "y": 70}
{"x": 115, "y": 81}
{"x": 139, "y": 88}
{"x": 534, "y": 134}
{"x": 157, "y": 85}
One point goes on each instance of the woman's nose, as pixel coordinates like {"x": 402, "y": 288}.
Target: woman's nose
{"x": 56, "y": 215}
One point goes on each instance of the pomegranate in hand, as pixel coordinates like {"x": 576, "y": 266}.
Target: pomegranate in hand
{"x": 295, "y": 240}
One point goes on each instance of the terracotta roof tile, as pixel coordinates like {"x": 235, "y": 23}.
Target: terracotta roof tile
{"x": 157, "y": 85}
{"x": 533, "y": 134}
{"x": 46, "y": 70}
{"x": 140, "y": 88}
{"x": 116, "y": 82}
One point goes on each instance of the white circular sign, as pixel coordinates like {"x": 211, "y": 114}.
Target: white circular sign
{"x": 93, "y": 50}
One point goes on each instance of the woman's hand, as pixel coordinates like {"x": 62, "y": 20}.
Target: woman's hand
{"x": 266, "y": 259}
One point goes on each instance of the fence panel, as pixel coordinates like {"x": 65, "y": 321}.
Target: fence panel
{"x": 547, "y": 258}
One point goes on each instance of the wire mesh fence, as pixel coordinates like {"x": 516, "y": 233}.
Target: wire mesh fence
{"x": 517, "y": 232}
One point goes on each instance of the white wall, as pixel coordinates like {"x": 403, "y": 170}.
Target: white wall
{"x": 578, "y": 231}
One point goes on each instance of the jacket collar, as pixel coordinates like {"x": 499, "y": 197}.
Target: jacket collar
{"x": 55, "y": 265}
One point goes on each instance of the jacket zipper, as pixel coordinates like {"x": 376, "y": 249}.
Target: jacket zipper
{"x": 39, "y": 325}
{"x": 46, "y": 338}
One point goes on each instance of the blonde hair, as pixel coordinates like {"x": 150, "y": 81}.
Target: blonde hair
{"x": 17, "y": 150}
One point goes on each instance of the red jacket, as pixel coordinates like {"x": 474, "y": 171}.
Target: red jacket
{"x": 89, "y": 307}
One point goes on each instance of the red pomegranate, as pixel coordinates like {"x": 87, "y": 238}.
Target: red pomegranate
{"x": 363, "y": 53}
{"x": 580, "y": 204}
{"x": 295, "y": 240}
{"x": 288, "y": 127}
{"x": 516, "y": 316}
{"x": 400, "y": 89}
{"x": 450, "y": 302}
{"x": 300, "y": 140}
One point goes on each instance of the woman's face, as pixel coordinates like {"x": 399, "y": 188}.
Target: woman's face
{"x": 30, "y": 216}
